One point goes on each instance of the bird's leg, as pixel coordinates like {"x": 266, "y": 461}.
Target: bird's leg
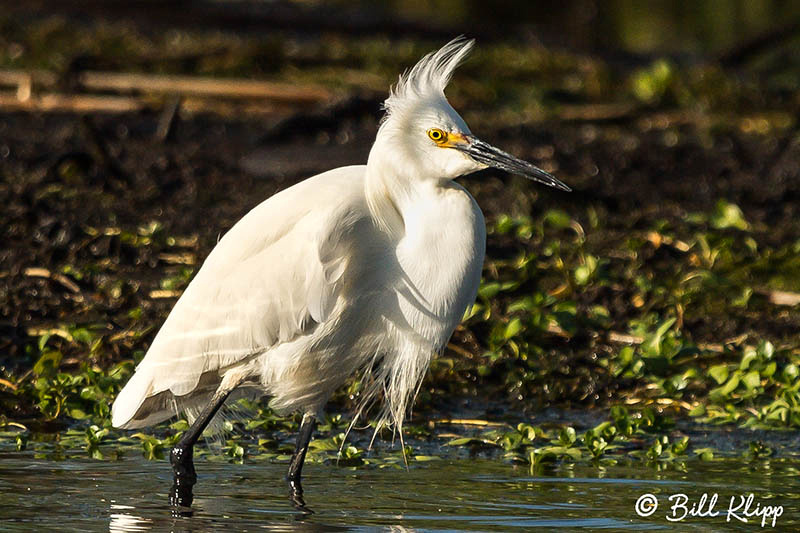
{"x": 296, "y": 465}
{"x": 181, "y": 455}
{"x": 307, "y": 427}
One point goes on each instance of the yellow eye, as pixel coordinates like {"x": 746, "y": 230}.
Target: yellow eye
{"x": 437, "y": 135}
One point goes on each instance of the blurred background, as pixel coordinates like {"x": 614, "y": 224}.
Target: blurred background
{"x": 133, "y": 134}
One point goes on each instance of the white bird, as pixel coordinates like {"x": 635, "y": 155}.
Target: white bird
{"x": 363, "y": 268}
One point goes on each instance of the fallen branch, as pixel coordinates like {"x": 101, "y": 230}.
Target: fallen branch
{"x": 624, "y": 338}
{"x": 126, "y": 82}
{"x": 469, "y": 422}
{"x": 780, "y": 297}
{"x": 459, "y": 350}
{"x": 53, "y": 332}
{"x": 231, "y": 88}
{"x": 186, "y": 258}
{"x": 164, "y": 293}
{"x": 71, "y": 103}
{"x": 24, "y": 80}
{"x": 64, "y": 281}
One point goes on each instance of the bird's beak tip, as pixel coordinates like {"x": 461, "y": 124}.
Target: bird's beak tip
{"x": 490, "y": 156}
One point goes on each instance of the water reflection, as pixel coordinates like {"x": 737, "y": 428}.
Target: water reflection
{"x": 124, "y": 522}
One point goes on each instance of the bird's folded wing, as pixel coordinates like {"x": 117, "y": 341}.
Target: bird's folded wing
{"x": 233, "y": 310}
{"x": 271, "y": 298}
{"x": 275, "y": 275}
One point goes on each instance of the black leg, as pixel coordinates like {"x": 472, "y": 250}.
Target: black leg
{"x": 299, "y": 457}
{"x": 181, "y": 455}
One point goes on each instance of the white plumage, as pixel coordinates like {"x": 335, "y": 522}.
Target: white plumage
{"x": 363, "y": 268}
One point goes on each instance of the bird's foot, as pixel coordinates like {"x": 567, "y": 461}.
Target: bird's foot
{"x": 183, "y": 465}
{"x": 185, "y": 477}
{"x": 296, "y": 496}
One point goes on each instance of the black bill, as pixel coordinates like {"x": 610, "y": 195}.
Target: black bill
{"x": 494, "y": 157}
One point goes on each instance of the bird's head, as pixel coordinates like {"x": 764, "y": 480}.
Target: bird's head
{"x": 422, "y": 135}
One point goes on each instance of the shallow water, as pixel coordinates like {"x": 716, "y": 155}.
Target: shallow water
{"x": 445, "y": 495}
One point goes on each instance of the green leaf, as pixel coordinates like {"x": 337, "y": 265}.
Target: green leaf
{"x": 573, "y": 453}
{"x": 528, "y": 431}
{"x": 728, "y": 215}
{"x": 323, "y": 445}
{"x": 584, "y": 272}
{"x": 749, "y": 356}
{"x": 652, "y": 344}
{"x": 769, "y": 370}
{"x": 462, "y": 441}
{"x": 78, "y": 414}
{"x": 47, "y": 363}
{"x": 719, "y": 373}
{"x": 743, "y": 298}
{"x": 766, "y": 349}
{"x": 654, "y": 452}
{"x": 704, "y": 454}
{"x": 731, "y": 385}
{"x": 180, "y": 425}
{"x": 43, "y": 341}
{"x": 473, "y": 310}
{"x": 567, "y": 436}
{"x": 679, "y": 447}
{"x": 651, "y": 83}
{"x": 488, "y": 291}
{"x": 752, "y": 380}
{"x": 699, "y": 410}
{"x": 504, "y": 224}
{"x": 512, "y": 328}
{"x": 557, "y": 218}
{"x": 82, "y": 335}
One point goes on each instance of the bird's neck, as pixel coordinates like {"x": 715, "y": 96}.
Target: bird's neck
{"x": 386, "y": 196}
{"x": 390, "y": 188}
{"x": 391, "y": 195}
{"x": 395, "y": 182}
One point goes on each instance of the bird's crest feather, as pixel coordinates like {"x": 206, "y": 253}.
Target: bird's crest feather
{"x": 429, "y": 77}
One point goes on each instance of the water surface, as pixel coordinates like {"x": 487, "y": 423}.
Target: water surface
{"x": 444, "y": 495}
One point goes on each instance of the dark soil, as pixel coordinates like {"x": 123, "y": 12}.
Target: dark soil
{"x": 114, "y": 212}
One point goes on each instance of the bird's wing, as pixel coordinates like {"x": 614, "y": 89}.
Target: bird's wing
{"x": 270, "y": 297}
{"x": 276, "y": 274}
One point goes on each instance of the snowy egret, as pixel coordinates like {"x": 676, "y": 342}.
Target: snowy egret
{"x": 363, "y": 268}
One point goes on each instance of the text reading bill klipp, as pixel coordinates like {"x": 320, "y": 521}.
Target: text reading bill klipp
{"x": 682, "y": 507}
